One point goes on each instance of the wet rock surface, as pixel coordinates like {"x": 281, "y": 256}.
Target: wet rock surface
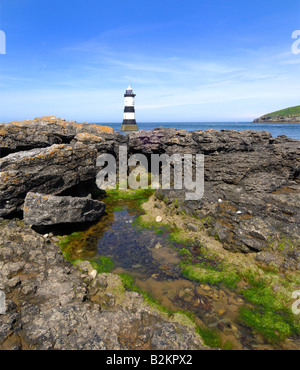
{"x": 50, "y": 304}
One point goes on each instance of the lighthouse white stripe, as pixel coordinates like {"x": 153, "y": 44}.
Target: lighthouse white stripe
{"x": 129, "y": 116}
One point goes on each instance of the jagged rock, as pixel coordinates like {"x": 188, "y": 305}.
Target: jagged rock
{"x": 41, "y": 210}
{"x": 59, "y": 307}
{"x": 255, "y": 175}
{"x": 51, "y": 171}
{"x": 258, "y": 179}
{"x": 45, "y": 131}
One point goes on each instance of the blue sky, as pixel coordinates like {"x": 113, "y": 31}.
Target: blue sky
{"x": 192, "y": 60}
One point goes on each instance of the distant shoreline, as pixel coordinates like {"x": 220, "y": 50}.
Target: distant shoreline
{"x": 290, "y": 130}
{"x": 288, "y": 115}
{"x": 277, "y": 120}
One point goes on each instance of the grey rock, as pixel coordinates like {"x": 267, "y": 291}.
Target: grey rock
{"x": 43, "y": 132}
{"x": 41, "y": 209}
{"x": 59, "y": 309}
{"x": 51, "y": 171}
{"x": 192, "y": 227}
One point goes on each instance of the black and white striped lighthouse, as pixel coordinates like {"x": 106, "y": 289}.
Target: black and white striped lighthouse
{"x": 129, "y": 122}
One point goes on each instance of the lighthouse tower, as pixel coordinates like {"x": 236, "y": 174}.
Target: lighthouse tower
{"x": 129, "y": 122}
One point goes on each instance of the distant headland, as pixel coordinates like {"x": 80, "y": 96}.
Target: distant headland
{"x": 288, "y": 115}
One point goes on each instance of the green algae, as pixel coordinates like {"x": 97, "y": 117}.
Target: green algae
{"x": 210, "y": 337}
{"x": 139, "y": 196}
{"x": 265, "y": 312}
{"x": 102, "y": 264}
{"x": 270, "y": 314}
{"x": 66, "y": 245}
{"x": 204, "y": 275}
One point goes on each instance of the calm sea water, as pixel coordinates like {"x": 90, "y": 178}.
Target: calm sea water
{"x": 291, "y": 130}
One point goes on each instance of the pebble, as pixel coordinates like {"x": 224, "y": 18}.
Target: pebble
{"x": 192, "y": 227}
{"x": 93, "y": 274}
{"x": 158, "y": 219}
{"x": 181, "y": 294}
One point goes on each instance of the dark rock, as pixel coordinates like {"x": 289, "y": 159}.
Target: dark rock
{"x": 46, "y": 131}
{"x": 192, "y": 227}
{"x": 41, "y": 210}
{"x": 256, "y": 176}
{"x": 251, "y": 191}
{"x": 51, "y": 171}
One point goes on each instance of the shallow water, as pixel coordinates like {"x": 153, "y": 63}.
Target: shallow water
{"x": 153, "y": 261}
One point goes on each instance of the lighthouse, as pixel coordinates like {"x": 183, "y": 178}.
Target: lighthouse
{"x": 129, "y": 122}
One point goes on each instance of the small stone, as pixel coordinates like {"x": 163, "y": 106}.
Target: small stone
{"x": 158, "y": 246}
{"x": 220, "y": 200}
{"x": 93, "y": 274}
{"x": 158, "y": 205}
{"x": 158, "y": 219}
{"x": 192, "y": 227}
{"x": 46, "y": 236}
{"x": 206, "y": 287}
{"x": 181, "y": 293}
{"x": 12, "y": 283}
{"x": 234, "y": 328}
{"x": 221, "y": 312}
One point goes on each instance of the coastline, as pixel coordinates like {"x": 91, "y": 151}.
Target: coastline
{"x": 250, "y": 210}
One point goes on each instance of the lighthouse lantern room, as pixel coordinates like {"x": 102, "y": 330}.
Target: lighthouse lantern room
{"x": 129, "y": 122}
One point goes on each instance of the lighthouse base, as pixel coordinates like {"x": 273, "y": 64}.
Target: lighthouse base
{"x": 129, "y": 125}
{"x": 129, "y": 128}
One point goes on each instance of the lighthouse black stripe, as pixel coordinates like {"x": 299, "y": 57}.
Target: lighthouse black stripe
{"x": 129, "y": 110}
{"x": 129, "y": 122}
{"x": 129, "y": 95}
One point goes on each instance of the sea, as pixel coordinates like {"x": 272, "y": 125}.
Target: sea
{"x": 291, "y": 130}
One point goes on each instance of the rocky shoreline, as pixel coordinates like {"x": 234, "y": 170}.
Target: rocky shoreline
{"x": 278, "y": 119}
{"x": 251, "y": 205}
{"x": 52, "y": 305}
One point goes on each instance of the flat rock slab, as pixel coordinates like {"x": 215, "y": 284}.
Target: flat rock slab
{"x": 43, "y": 210}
